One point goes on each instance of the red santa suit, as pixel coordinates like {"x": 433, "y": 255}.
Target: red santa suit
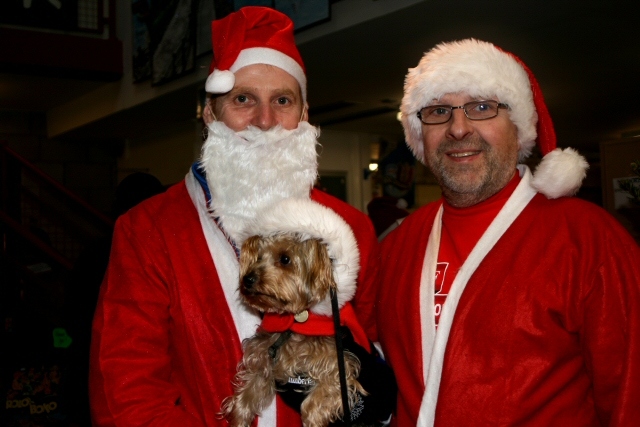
{"x": 541, "y": 326}
{"x": 168, "y": 327}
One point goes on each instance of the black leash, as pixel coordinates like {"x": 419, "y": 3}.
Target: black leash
{"x": 341, "y": 369}
{"x": 273, "y": 350}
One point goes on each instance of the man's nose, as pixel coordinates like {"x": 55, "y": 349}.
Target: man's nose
{"x": 264, "y": 117}
{"x": 459, "y": 126}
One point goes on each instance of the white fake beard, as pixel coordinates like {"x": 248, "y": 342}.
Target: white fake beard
{"x": 250, "y": 170}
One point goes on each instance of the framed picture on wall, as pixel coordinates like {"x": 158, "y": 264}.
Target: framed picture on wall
{"x": 140, "y": 14}
{"x": 305, "y": 13}
{"x": 164, "y": 39}
{"x": 242, "y": 3}
{"x": 51, "y": 14}
{"x": 224, "y": 7}
{"x": 173, "y": 39}
{"x": 206, "y": 13}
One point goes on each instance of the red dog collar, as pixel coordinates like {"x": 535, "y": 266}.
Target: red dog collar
{"x": 316, "y": 325}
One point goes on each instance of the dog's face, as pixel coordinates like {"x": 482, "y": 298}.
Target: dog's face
{"x": 281, "y": 274}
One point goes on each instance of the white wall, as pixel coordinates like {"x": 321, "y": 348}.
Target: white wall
{"x": 348, "y": 152}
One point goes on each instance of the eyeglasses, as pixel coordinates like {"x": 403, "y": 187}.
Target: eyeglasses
{"x": 475, "y": 110}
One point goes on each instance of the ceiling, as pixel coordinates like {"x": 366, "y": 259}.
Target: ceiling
{"x": 585, "y": 55}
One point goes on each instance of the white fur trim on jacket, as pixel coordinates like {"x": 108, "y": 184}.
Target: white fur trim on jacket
{"x": 474, "y": 67}
{"x": 311, "y": 220}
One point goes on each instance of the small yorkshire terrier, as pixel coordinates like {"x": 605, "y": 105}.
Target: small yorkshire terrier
{"x": 288, "y": 277}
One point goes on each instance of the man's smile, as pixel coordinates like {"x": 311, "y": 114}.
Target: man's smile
{"x": 461, "y": 154}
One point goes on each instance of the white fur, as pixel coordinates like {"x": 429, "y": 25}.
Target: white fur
{"x": 474, "y": 67}
{"x": 310, "y": 220}
{"x": 248, "y": 171}
{"x": 218, "y": 81}
{"x": 560, "y": 173}
{"x": 265, "y": 55}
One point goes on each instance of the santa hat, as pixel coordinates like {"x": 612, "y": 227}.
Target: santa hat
{"x": 482, "y": 70}
{"x": 311, "y": 220}
{"x": 253, "y": 35}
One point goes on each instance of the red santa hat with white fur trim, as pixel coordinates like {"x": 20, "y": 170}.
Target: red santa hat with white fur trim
{"x": 253, "y": 35}
{"x": 310, "y": 220}
{"x": 483, "y": 70}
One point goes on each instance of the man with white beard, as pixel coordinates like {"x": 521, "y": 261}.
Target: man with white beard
{"x": 169, "y": 325}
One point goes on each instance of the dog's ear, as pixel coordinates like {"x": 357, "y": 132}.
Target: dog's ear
{"x": 249, "y": 252}
{"x": 319, "y": 269}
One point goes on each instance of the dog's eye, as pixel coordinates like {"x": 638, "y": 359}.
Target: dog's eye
{"x": 284, "y": 259}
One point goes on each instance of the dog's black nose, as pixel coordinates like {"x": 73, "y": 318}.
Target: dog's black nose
{"x": 249, "y": 279}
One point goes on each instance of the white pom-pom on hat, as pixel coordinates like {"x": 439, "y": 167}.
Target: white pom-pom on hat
{"x": 560, "y": 173}
{"x": 220, "y": 81}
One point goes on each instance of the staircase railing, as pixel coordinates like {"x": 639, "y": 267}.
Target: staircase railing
{"x": 40, "y": 218}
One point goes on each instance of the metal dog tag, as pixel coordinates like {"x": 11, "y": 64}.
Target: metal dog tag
{"x": 302, "y": 316}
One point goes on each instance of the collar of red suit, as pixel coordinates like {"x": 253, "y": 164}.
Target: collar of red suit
{"x": 316, "y": 325}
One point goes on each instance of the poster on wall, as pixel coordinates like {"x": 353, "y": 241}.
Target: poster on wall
{"x": 164, "y": 39}
{"x": 237, "y": 4}
{"x": 141, "y": 40}
{"x": 206, "y": 14}
{"x": 305, "y": 13}
{"x": 225, "y": 7}
{"x": 168, "y": 35}
{"x": 50, "y": 14}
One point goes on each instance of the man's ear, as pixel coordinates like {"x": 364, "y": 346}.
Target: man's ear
{"x": 207, "y": 115}
{"x": 304, "y": 117}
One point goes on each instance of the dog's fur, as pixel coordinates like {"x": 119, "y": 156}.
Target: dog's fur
{"x": 283, "y": 274}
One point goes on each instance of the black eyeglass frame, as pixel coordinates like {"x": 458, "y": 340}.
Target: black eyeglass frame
{"x": 463, "y": 107}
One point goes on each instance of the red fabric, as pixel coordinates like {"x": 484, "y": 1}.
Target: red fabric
{"x": 317, "y": 325}
{"x": 461, "y": 230}
{"x": 164, "y": 347}
{"x": 546, "y": 333}
{"x": 547, "y": 140}
{"x": 251, "y": 26}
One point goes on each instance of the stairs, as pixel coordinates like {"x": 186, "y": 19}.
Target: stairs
{"x": 53, "y": 254}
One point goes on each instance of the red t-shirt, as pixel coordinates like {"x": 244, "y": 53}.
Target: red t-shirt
{"x": 461, "y": 230}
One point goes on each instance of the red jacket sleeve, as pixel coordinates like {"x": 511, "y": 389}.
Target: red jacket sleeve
{"x": 610, "y": 329}
{"x": 130, "y": 367}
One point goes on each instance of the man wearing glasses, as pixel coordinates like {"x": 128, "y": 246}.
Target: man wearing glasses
{"x": 508, "y": 302}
